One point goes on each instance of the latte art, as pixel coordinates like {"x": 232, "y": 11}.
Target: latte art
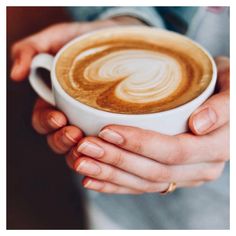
{"x": 159, "y": 79}
{"x": 132, "y": 75}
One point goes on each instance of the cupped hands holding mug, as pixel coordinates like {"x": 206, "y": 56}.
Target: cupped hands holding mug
{"x": 127, "y": 159}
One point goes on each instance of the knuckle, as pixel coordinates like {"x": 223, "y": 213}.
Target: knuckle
{"x": 153, "y": 175}
{"x": 177, "y": 153}
{"x": 165, "y": 174}
{"x": 159, "y": 174}
{"x": 175, "y": 158}
{"x": 137, "y": 146}
{"x": 111, "y": 175}
{"x": 118, "y": 159}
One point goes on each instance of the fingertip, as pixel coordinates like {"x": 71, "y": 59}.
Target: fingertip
{"x": 22, "y": 61}
{"x": 86, "y": 181}
{"x": 18, "y": 73}
{"x": 71, "y": 157}
{"x": 56, "y": 119}
{"x": 46, "y": 120}
{"x": 73, "y": 133}
{"x": 203, "y": 120}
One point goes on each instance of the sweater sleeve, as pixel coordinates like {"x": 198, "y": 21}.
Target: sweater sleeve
{"x": 146, "y": 14}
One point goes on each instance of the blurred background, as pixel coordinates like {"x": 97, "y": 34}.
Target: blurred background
{"x": 40, "y": 191}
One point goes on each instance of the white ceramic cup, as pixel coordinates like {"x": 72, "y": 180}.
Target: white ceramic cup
{"x": 91, "y": 120}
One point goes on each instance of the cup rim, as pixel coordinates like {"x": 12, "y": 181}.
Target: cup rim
{"x": 56, "y": 85}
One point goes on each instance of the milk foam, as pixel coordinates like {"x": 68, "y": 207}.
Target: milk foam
{"x": 144, "y": 75}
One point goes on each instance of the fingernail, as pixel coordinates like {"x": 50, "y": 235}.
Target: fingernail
{"x": 90, "y": 149}
{"x": 55, "y": 122}
{"x": 69, "y": 136}
{"x": 111, "y": 136}
{"x": 88, "y": 168}
{"x": 88, "y": 183}
{"x": 72, "y": 134}
{"x": 204, "y": 120}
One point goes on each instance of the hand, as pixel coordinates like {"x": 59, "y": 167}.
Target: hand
{"x": 131, "y": 160}
{"x": 46, "y": 119}
{"x": 51, "y": 39}
{"x": 60, "y": 136}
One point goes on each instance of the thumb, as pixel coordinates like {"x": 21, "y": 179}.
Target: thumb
{"x": 214, "y": 113}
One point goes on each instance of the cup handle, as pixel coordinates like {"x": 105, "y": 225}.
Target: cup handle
{"x": 45, "y": 61}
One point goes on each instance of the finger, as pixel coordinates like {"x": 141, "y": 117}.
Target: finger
{"x": 143, "y": 167}
{"x": 170, "y": 150}
{"x": 106, "y": 187}
{"x": 215, "y": 111}
{"x": 71, "y": 158}
{"x": 101, "y": 171}
{"x": 48, "y": 40}
{"x": 46, "y": 119}
{"x": 147, "y": 143}
{"x": 22, "y": 54}
{"x": 64, "y": 139}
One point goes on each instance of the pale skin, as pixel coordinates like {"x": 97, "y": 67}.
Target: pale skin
{"x": 129, "y": 160}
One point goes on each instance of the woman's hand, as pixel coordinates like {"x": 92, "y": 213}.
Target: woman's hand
{"x": 131, "y": 160}
{"x": 46, "y": 119}
{"x": 51, "y": 39}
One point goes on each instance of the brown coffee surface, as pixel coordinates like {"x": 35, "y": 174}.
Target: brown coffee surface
{"x": 133, "y": 70}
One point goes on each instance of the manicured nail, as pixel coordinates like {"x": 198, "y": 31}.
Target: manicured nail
{"x": 55, "y": 122}
{"x": 111, "y": 136}
{"x": 88, "y": 167}
{"x": 69, "y": 136}
{"x": 204, "y": 120}
{"x": 72, "y": 134}
{"x": 88, "y": 183}
{"x": 90, "y": 149}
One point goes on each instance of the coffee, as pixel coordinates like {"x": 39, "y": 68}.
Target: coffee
{"x": 135, "y": 70}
